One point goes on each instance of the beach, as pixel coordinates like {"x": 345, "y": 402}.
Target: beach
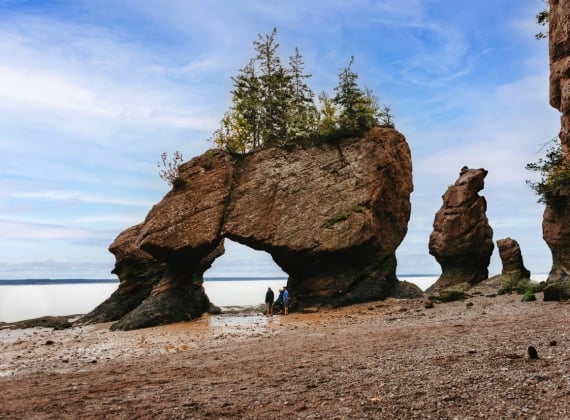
{"x": 28, "y": 299}
{"x": 385, "y": 359}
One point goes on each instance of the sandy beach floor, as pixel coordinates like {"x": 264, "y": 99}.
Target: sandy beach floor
{"x": 389, "y": 359}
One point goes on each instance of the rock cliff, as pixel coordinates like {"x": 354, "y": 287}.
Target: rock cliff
{"x": 331, "y": 216}
{"x": 462, "y": 240}
{"x": 556, "y": 220}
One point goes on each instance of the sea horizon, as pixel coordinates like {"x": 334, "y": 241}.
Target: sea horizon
{"x": 22, "y": 299}
{"x": 73, "y": 280}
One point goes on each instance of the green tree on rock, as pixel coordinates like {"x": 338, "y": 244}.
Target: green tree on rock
{"x": 240, "y": 129}
{"x": 358, "y": 109}
{"x": 328, "y": 122}
{"x": 274, "y": 82}
{"x": 302, "y": 116}
{"x": 274, "y": 106}
{"x": 554, "y": 174}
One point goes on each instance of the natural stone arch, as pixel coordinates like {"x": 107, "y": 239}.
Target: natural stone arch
{"x": 239, "y": 260}
{"x": 331, "y": 216}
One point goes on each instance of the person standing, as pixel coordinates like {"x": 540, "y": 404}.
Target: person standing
{"x": 269, "y": 298}
{"x": 279, "y": 303}
{"x": 285, "y": 301}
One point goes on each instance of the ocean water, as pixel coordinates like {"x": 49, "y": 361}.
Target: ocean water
{"x": 25, "y": 299}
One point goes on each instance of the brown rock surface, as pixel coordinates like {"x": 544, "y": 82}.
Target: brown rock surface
{"x": 462, "y": 240}
{"x": 556, "y": 220}
{"x": 383, "y": 360}
{"x": 138, "y": 274}
{"x": 331, "y": 216}
{"x": 511, "y": 257}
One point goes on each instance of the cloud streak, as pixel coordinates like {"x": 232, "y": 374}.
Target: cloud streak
{"x": 75, "y": 196}
{"x": 15, "y": 229}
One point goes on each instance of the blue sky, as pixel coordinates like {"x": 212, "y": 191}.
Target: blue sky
{"x": 93, "y": 91}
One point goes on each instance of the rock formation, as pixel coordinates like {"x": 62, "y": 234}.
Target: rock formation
{"x": 462, "y": 240}
{"x": 556, "y": 220}
{"x": 511, "y": 257}
{"x": 138, "y": 272}
{"x": 331, "y": 216}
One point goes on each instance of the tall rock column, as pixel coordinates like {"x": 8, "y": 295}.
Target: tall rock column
{"x": 462, "y": 240}
{"x": 556, "y": 220}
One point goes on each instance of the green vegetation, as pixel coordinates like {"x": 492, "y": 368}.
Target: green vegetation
{"x": 451, "y": 295}
{"x": 542, "y": 18}
{"x": 507, "y": 284}
{"x": 272, "y": 105}
{"x": 169, "y": 169}
{"x": 528, "y": 297}
{"x": 554, "y": 174}
{"x": 343, "y": 216}
{"x": 335, "y": 219}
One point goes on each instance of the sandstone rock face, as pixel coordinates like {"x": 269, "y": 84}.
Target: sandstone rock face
{"x": 138, "y": 273}
{"x": 556, "y": 220}
{"x": 331, "y": 216}
{"x": 462, "y": 240}
{"x": 511, "y": 257}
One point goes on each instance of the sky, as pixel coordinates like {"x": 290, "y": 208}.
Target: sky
{"x": 93, "y": 91}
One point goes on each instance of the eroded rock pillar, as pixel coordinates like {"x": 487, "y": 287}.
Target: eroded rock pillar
{"x": 462, "y": 240}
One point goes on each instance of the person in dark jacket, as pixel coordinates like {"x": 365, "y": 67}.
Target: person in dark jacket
{"x": 278, "y": 305}
{"x": 269, "y": 297}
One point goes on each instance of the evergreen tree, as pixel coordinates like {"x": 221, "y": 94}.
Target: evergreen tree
{"x": 350, "y": 99}
{"x": 273, "y": 105}
{"x": 240, "y": 130}
{"x": 359, "y": 110}
{"x": 274, "y": 88}
{"x": 302, "y": 112}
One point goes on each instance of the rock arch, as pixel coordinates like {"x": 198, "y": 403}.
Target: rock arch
{"x": 330, "y": 215}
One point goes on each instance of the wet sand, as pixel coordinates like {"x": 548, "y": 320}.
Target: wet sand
{"x": 390, "y": 359}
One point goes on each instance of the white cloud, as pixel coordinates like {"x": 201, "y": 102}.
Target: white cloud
{"x": 13, "y": 229}
{"x": 61, "y": 68}
{"x": 76, "y": 196}
{"x": 42, "y": 89}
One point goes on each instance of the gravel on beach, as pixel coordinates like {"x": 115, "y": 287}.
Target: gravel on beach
{"x": 388, "y": 359}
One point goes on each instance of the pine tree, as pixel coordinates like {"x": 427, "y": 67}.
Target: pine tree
{"x": 359, "y": 110}
{"x": 247, "y": 98}
{"x": 273, "y": 105}
{"x": 348, "y": 97}
{"x": 303, "y": 115}
{"x": 240, "y": 130}
{"x": 274, "y": 87}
